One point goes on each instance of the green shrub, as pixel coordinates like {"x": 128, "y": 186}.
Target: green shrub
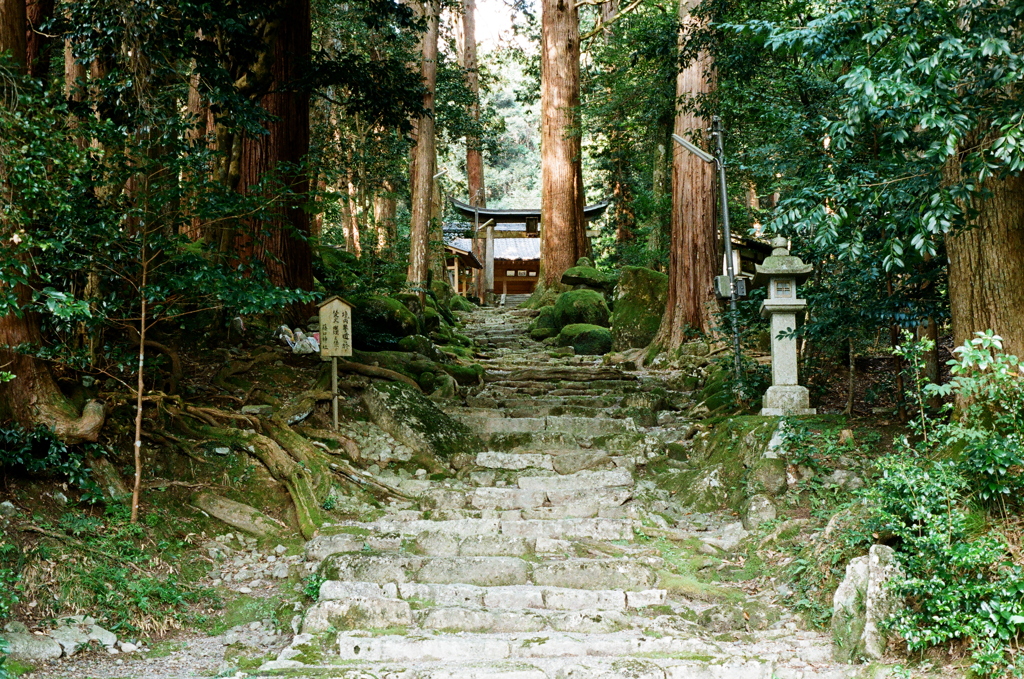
{"x": 960, "y": 581}
{"x": 40, "y": 452}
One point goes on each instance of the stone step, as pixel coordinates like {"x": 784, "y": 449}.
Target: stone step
{"x": 585, "y": 668}
{"x": 385, "y": 534}
{"x": 503, "y": 647}
{"x": 487, "y": 425}
{"x": 490, "y": 571}
{"x": 501, "y": 597}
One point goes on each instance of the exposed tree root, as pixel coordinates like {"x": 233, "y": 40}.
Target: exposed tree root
{"x": 374, "y": 371}
{"x": 238, "y": 367}
{"x": 177, "y": 374}
{"x": 74, "y": 429}
{"x": 350, "y": 446}
{"x": 300, "y": 408}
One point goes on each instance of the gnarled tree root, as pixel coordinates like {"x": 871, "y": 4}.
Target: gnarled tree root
{"x": 374, "y": 371}
{"x": 294, "y": 473}
{"x": 75, "y": 430}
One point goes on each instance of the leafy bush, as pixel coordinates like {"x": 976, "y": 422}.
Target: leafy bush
{"x": 40, "y": 452}
{"x": 960, "y": 582}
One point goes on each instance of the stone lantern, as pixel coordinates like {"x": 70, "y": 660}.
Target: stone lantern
{"x": 782, "y": 272}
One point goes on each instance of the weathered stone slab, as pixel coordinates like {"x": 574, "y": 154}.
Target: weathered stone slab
{"x": 516, "y": 461}
{"x": 588, "y": 622}
{"x": 29, "y": 647}
{"x": 236, "y": 514}
{"x": 578, "y": 461}
{"x": 595, "y": 574}
{"x": 443, "y": 595}
{"x": 576, "y": 510}
{"x": 606, "y": 497}
{"x": 483, "y": 571}
{"x": 356, "y": 613}
{"x": 462, "y": 527}
{"x": 589, "y": 426}
{"x": 378, "y": 568}
{"x": 564, "y": 599}
{"x": 403, "y": 649}
{"x": 339, "y": 589}
{"x": 650, "y": 597}
{"x": 416, "y": 421}
{"x": 579, "y": 481}
{"x": 507, "y": 498}
{"x": 522, "y": 596}
{"x": 596, "y": 529}
{"x": 322, "y": 546}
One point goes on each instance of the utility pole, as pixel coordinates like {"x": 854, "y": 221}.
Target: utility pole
{"x": 717, "y": 133}
{"x": 719, "y": 160}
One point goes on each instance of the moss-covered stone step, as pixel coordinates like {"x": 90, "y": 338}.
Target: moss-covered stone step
{"x": 527, "y": 499}
{"x": 488, "y": 425}
{"x": 593, "y": 529}
{"x": 490, "y": 571}
{"x": 496, "y": 647}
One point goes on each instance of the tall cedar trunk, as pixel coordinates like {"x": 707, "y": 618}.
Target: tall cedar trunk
{"x": 385, "y": 211}
{"x": 13, "y": 29}
{"x": 657, "y": 240}
{"x": 280, "y": 243}
{"x": 36, "y": 42}
{"x": 563, "y": 231}
{"x": 33, "y": 398}
{"x": 693, "y": 257}
{"x": 986, "y": 268}
{"x": 609, "y": 9}
{"x": 474, "y": 154}
{"x": 424, "y": 155}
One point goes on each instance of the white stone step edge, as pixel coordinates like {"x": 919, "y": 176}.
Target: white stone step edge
{"x": 502, "y": 597}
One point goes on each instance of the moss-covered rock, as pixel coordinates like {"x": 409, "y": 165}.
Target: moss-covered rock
{"x": 460, "y": 303}
{"x": 381, "y": 322}
{"x": 543, "y": 326}
{"x": 586, "y": 276}
{"x": 580, "y": 306}
{"x": 422, "y": 345}
{"x": 768, "y": 475}
{"x": 585, "y": 261}
{"x": 586, "y": 339}
{"x": 719, "y": 461}
{"x": 413, "y": 419}
{"x": 431, "y": 320}
{"x": 640, "y": 297}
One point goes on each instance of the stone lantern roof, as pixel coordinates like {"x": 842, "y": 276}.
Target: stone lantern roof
{"x": 781, "y": 264}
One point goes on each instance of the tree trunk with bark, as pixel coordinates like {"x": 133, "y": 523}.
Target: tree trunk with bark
{"x": 280, "y": 243}
{"x": 33, "y": 398}
{"x": 474, "y": 154}
{"x": 693, "y": 257}
{"x": 563, "y": 230}
{"x": 986, "y": 268}
{"x": 424, "y": 154}
{"x": 36, "y": 42}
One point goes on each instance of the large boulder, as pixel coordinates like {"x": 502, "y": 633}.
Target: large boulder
{"x": 413, "y": 419}
{"x": 580, "y": 306}
{"x": 381, "y": 322}
{"x": 862, "y": 602}
{"x": 586, "y": 276}
{"x": 640, "y": 297}
{"x": 543, "y": 326}
{"x": 586, "y": 339}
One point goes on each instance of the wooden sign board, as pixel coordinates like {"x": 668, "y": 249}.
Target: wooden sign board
{"x": 335, "y": 328}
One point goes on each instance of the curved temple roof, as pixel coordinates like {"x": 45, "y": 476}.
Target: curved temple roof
{"x": 590, "y": 213}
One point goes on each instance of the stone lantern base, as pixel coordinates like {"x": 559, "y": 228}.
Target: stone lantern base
{"x": 787, "y": 400}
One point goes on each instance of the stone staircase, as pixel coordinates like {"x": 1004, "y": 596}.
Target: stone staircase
{"x": 534, "y": 561}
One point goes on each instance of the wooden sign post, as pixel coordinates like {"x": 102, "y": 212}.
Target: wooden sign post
{"x": 335, "y": 341}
